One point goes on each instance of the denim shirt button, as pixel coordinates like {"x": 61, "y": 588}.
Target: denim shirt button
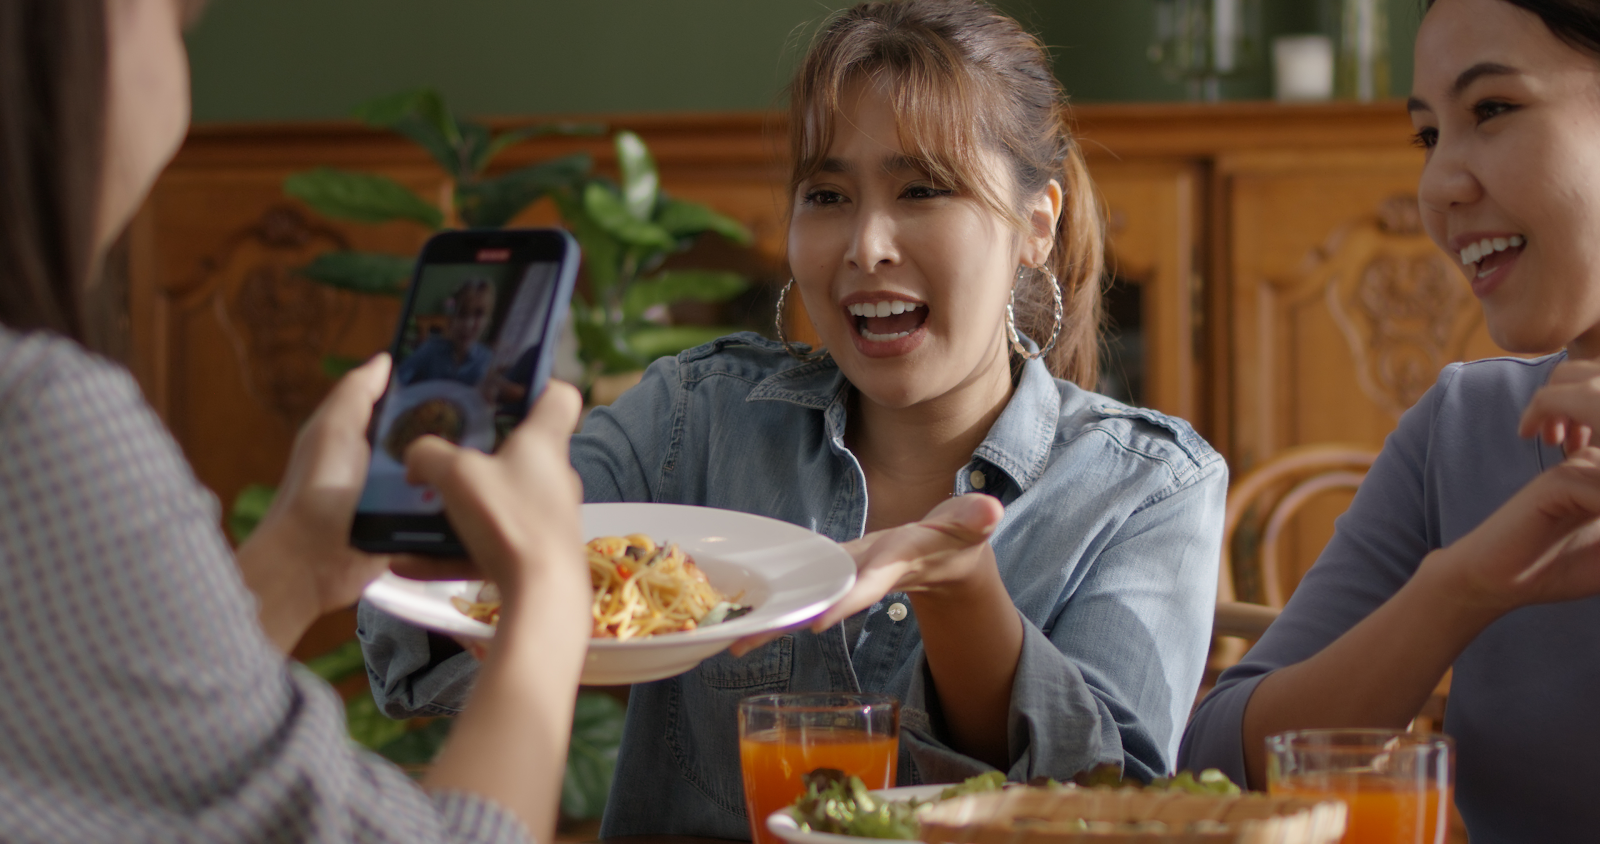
{"x": 897, "y": 611}
{"x": 977, "y": 479}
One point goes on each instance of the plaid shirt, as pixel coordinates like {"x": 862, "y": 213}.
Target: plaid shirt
{"x": 139, "y": 698}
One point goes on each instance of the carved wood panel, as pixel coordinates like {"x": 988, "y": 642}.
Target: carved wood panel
{"x": 1342, "y": 310}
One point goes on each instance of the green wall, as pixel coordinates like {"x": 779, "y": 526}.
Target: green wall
{"x": 311, "y": 59}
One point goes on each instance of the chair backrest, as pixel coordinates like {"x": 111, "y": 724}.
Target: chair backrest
{"x": 1265, "y": 501}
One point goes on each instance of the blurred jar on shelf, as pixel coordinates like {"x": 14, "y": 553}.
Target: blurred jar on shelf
{"x": 1363, "y": 71}
{"x": 1201, "y": 42}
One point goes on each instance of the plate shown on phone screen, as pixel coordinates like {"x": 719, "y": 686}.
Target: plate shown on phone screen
{"x": 787, "y": 574}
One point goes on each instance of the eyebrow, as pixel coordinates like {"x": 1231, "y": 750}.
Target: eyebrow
{"x": 1467, "y": 77}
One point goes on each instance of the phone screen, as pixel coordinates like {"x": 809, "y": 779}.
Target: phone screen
{"x": 470, "y": 356}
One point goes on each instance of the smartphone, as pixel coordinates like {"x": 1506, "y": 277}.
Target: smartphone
{"x": 481, "y": 323}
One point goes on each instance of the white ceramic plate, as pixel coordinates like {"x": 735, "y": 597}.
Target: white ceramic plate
{"x": 779, "y": 823}
{"x": 788, "y": 573}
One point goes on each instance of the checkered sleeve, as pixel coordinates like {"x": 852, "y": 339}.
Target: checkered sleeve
{"x": 139, "y": 698}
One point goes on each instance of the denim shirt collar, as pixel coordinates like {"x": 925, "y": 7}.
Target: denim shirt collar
{"x": 1018, "y": 443}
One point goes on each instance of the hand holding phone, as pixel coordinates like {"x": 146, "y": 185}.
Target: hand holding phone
{"x": 473, "y": 350}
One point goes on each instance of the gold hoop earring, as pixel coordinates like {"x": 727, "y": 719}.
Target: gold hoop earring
{"x": 1011, "y": 317}
{"x": 777, "y": 323}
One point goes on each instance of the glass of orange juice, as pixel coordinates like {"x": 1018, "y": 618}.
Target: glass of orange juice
{"x": 1397, "y": 786}
{"x": 783, "y": 737}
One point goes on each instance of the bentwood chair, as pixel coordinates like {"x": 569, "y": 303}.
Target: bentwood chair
{"x": 1256, "y": 578}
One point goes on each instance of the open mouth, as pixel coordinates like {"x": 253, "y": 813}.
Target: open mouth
{"x": 887, "y": 319}
{"x": 1491, "y": 253}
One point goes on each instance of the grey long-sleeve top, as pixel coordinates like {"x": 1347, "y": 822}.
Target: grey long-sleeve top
{"x": 1108, "y": 549}
{"x": 141, "y": 700}
{"x": 1523, "y": 698}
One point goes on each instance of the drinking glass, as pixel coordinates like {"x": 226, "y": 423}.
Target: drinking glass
{"x": 783, "y": 737}
{"x": 1397, "y": 785}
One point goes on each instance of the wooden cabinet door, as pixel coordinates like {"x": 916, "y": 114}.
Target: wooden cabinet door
{"x": 229, "y": 340}
{"x": 1340, "y": 310}
{"x": 1153, "y": 227}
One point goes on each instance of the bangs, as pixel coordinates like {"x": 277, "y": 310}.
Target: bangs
{"x": 937, "y": 104}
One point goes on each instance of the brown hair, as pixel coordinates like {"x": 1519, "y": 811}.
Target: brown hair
{"x": 964, "y": 79}
{"x": 52, "y": 130}
{"x": 53, "y": 67}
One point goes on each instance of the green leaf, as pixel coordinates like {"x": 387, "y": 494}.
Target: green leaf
{"x": 248, "y": 509}
{"x": 418, "y": 746}
{"x": 603, "y": 345}
{"x": 511, "y": 138}
{"x": 686, "y": 219}
{"x": 602, "y": 254}
{"x": 609, "y": 212}
{"x": 337, "y": 366}
{"x": 341, "y": 663}
{"x": 368, "y": 725}
{"x": 681, "y": 285}
{"x": 363, "y": 197}
{"x": 494, "y": 202}
{"x": 361, "y": 272}
{"x": 422, "y": 116}
{"x": 640, "y": 181}
{"x": 474, "y": 140}
{"x": 591, "y": 755}
{"x": 658, "y": 341}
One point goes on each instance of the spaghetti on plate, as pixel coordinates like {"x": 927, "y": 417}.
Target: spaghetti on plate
{"x": 641, "y": 588}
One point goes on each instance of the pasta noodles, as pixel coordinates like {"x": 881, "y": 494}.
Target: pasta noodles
{"x": 641, "y": 588}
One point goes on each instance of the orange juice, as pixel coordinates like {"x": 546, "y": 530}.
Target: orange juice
{"x": 1382, "y": 810}
{"x": 774, "y": 761}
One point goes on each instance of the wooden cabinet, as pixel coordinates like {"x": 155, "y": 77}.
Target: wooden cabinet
{"x": 1277, "y": 289}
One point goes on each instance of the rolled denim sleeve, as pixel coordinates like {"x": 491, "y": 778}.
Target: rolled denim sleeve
{"x": 412, "y": 672}
{"x": 1113, "y": 678}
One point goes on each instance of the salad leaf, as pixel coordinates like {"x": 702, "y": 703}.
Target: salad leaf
{"x": 986, "y": 781}
{"x": 1209, "y": 781}
{"x": 837, "y": 803}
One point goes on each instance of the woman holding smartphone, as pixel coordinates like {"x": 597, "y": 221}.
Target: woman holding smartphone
{"x": 148, "y": 695}
{"x": 1037, "y": 563}
{"x": 1473, "y": 540}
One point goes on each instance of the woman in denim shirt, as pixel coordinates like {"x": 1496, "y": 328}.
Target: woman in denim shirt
{"x": 1037, "y": 562}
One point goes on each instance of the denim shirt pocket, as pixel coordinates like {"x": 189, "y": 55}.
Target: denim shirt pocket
{"x": 702, "y": 717}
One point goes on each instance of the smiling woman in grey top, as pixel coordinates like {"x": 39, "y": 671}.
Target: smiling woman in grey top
{"x": 1037, "y": 563}
{"x": 1470, "y": 544}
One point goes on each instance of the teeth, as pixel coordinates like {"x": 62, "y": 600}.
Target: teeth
{"x": 1472, "y": 253}
{"x": 883, "y": 338}
{"x": 882, "y": 309}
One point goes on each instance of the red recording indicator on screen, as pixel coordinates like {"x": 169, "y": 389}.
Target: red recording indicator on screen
{"x": 493, "y": 256}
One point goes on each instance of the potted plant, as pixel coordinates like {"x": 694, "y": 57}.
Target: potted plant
{"x": 626, "y": 228}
